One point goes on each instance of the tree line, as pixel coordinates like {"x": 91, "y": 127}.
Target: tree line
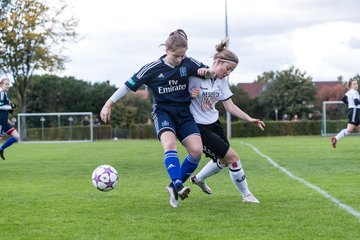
{"x": 51, "y": 93}
{"x": 290, "y": 91}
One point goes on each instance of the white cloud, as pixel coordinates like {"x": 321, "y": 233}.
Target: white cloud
{"x": 320, "y": 37}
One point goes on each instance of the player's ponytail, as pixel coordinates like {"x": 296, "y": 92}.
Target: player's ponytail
{"x": 225, "y": 54}
{"x": 177, "y": 39}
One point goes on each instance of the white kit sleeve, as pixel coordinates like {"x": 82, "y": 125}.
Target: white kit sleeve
{"x": 121, "y": 92}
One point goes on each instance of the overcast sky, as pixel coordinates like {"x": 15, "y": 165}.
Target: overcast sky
{"x": 320, "y": 37}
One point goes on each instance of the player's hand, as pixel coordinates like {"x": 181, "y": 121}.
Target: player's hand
{"x": 105, "y": 113}
{"x": 206, "y": 72}
{"x": 257, "y": 122}
{"x": 202, "y": 71}
{"x": 195, "y": 92}
{"x": 13, "y": 105}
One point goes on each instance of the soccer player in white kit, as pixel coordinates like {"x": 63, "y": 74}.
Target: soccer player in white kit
{"x": 351, "y": 98}
{"x": 205, "y": 94}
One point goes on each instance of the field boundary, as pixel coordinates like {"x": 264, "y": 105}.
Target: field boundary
{"x": 325, "y": 194}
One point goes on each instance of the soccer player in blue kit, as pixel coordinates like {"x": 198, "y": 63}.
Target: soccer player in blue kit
{"x": 5, "y": 125}
{"x": 168, "y": 78}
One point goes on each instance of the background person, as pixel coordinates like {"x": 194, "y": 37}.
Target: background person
{"x": 351, "y": 98}
{"x": 6, "y": 127}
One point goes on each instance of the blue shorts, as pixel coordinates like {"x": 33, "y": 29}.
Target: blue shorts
{"x": 177, "y": 119}
{"x": 5, "y": 126}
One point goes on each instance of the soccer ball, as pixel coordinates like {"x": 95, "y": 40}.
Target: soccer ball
{"x": 105, "y": 178}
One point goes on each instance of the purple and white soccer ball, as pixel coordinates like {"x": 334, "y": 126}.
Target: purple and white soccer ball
{"x": 105, "y": 178}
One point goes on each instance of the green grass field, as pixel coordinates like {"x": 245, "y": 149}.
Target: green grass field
{"x": 46, "y": 193}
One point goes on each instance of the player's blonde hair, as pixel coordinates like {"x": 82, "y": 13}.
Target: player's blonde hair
{"x": 225, "y": 54}
{"x": 177, "y": 39}
{"x": 3, "y": 80}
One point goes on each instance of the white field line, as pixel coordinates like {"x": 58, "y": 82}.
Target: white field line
{"x": 316, "y": 188}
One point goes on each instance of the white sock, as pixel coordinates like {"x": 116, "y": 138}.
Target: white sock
{"x": 237, "y": 176}
{"x": 342, "y": 133}
{"x": 209, "y": 169}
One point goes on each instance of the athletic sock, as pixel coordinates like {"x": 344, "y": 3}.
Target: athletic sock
{"x": 188, "y": 166}
{"x": 211, "y": 168}
{"x": 172, "y": 165}
{"x": 342, "y": 133}
{"x": 8, "y": 143}
{"x": 237, "y": 176}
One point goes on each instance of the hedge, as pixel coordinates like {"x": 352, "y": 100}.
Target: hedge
{"x": 273, "y": 128}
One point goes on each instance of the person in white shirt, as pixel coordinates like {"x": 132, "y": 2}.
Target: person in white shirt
{"x": 205, "y": 94}
{"x": 352, "y": 99}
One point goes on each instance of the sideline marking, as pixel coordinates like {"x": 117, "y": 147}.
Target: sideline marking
{"x": 310, "y": 185}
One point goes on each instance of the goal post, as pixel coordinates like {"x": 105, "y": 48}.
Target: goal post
{"x": 332, "y": 110}
{"x": 55, "y": 127}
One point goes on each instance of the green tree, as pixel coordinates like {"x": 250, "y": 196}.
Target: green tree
{"x": 131, "y": 109}
{"x": 32, "y": 36}
{"x": 50, "y": 93}
{"x": 266, "y": 77}
{"x": 240, "y": 99}
{"x": 290, "y": 92}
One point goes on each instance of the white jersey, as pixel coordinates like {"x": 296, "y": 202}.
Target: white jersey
{"x": 351, "y": 96}
{"x": 211, "y": 91}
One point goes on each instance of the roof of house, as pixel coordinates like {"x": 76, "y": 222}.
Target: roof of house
{"x": 252, "y": 89}
{"x": 255, "y": 88}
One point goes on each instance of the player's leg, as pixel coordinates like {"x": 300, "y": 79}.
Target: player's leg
{"x": 343, "y": 133}
{"x": 237, "y": 176}
{"x": 164, "y": 129}
{"x": 352, "y": 117}
{"x": 172, "y": 165}
{"x": 215, "y": 145}
{"x": 211, "y": 168}
{"x": 193, "y": 146}
{"x": 188, "y": 134}
{"x": 10, "y": 141}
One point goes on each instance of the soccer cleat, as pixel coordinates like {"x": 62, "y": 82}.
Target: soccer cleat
{"x": 183, "y": 192}
{"x": 173, "y": 195}
{"x": 201, "y": 184}
{"x": 2, "y": 154}
{"x": 333, "y": 142}
{"x": 250, "y": 199}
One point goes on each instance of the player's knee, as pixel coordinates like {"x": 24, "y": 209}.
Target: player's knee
{"x": 231, "y": 156}
{"x": 235, "y": 166}
{"x": 196, "y": 152}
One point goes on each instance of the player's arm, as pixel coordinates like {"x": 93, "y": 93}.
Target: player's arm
{"x": 106, "y": 109}
{"x": 3, "y": 105}
{"x": 194, "y": 86}
{"x": 206, "y": 72}
{"x": 345, "y": 99}
{"x": 237, "y": 112}
{"x": 356, "y": 101}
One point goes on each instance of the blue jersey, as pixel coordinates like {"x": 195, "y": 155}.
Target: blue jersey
{"x": 5, "y": 126}
{"x": 168, "y": 83}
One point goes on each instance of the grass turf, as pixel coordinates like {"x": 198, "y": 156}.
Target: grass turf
{"x": 46, "y": 192}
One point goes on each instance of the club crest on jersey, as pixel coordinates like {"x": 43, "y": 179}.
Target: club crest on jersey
{"x": 182, "y": 71}
{"x": 165, "y": 123}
